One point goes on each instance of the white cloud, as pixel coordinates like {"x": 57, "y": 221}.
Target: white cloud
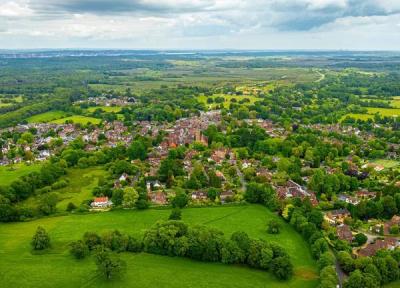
{"x": 14, "y": 9}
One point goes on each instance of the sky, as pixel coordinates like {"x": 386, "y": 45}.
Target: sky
{"x": 201, "y": 24}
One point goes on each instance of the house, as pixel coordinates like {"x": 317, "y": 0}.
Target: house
{"x": 371, "y": 249}
{"x": 226, "y": 196}
{"x": 344, "y": 233}
{"x": 199, "y": 195}
{"x": 292, "y": 190}
{"x": 101, "y": 202}
{"x": 395, "y": 221}
{"x": 337, "y": 216}
{"x": 158, "y": 198}
{"x": 349, "y": 199}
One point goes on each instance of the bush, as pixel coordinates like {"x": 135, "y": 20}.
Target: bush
{"x": 78, "y": 249}
{"x": 142, "y": 204}
{"x": 40, "y": 240}
{"x": 108, "y": 264}
{"x": 59, "y": 184}
{"x": 91, "y": 240}
{"x": 115, "y": 241}
{"x": 273, "y": 227}
{"x": 360, "y": 239}
{"x": 282, "y": 268}
{"x": 134, "y": 245}
{"x": 176, "y": 214}
{"x": 70, "y": 207}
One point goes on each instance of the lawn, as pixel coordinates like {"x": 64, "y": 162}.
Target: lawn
{"x": 81, "y": 184}
{"x": 46, "y": 117}
{"x": 109, "y": 109}
{"x": 8, "y": 174}
{"x": 386, "y": 163}
{"x": 78, "y": 119}
{"x": 19, "y": 268}
{"x": 228, "y": 98}
{"x": 384, "y": 112}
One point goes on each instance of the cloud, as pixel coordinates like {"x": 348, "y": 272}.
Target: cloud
{"x": 197, "y": 23}
{"x": 14, "y": 9}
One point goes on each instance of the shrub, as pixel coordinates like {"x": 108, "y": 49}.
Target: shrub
{"x": 70, "y": 207}
{"x": 40, "y": 240}
{"x": 273, "y": 227}
{"x": 176, "y": 214}
{"x": 91, "y": 239}
{"x": 78, "y": 249}
{"x": 360, "y": 239}
{"x": 282, "y": 268}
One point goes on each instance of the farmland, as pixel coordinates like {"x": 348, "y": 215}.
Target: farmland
{"x": 144, "y": 268}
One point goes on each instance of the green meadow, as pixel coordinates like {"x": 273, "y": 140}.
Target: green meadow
{"x": 46, "y": 117}
{"x": 10, "y": 173}
{"x": 114, "y": 109}
{"x": 56, "y": 268}
{"x": 228, "y": 99}
{"x": 78, "y": 119}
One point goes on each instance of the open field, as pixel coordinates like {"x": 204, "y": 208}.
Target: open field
{"x": 386, "y": 163}
{"x": 384, "y": 112}
{"x": 8, "y": 174}
{"x": 81, "y": 184}
{"x": 19, "y": 268}
{"x": 114, "y": 109}
{"x": 46, "y": 117}
{"x": 227, "y": 98}
{"x": 78, "y": 119}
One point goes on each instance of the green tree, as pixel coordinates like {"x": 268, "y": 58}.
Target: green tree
{"x": 176, "y": 214}
{"x": 109, "y": 265}
{"x": 78, "y": 249}
{"x": 130, "y": 197}
{"x": 180, "y": 200}
{"x": 41, "y": 239}
{"x": 273, "y": 227}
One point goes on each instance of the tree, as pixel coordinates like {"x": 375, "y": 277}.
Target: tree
{"x": 360, "y": 239}
{"x": 117, "y": 197}
{"x": 70, "y": 207}
{"x": 48, "y": 203}
{"x": 319, "y": 247}
{"x": 346, "y": 261}
{"x": 78, "y": 249}
{"x": 180, "y": 200}
{"x": 130, "y": 197}
{"x": 326, "y": 259}
{"x": 282, "y": 268}
{"x": 137, "y": 150}
{"x": 40, "y": 240}
{"x": 176, "y": 214}
{"x": 108, "y": 264}
{"x": 273, "y": 227}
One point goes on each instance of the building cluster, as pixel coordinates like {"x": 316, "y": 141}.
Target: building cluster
{"x": 109, "y": 101}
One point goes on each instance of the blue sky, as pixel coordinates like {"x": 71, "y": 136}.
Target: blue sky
{"x": 201, "y": 24}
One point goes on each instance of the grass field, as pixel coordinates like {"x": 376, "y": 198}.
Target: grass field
{"x": 386, "y": 163}
{"x": 81, "y": 184}
{"x": 384, "y": 112}
{"x": 114, "y": 109}
{"x": 19, "y": 268}
{"x": 8, "y": 174}
{"x": 228, "y": 98}
{"x": 78, "y": 119}
{"x": 46, "y": 117}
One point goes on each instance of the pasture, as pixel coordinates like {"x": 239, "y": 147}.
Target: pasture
{"x": 77, "y": 119}
{"x": 114, "y": 109}
{"x": 46, "y": 117}
{"x": 10, "y": 173}
{"x": 20, "y": 268}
